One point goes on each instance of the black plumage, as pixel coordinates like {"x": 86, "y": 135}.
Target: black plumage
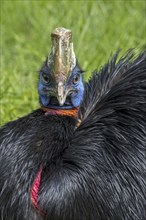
{"x": 96, "y": 171}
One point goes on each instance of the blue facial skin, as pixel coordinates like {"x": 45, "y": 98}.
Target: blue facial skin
{"x": 47, "y": 89}
{"x": 78, "y": 90}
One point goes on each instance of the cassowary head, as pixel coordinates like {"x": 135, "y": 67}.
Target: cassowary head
{"x": 60, "y": 83}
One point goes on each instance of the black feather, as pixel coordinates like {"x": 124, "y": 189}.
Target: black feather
{"x": 94, "y": 172}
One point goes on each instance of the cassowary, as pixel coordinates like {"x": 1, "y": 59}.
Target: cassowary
{"x": 78, "y": 157}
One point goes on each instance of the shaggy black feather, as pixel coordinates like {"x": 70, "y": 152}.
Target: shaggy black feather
{"x": 94, "y": 172}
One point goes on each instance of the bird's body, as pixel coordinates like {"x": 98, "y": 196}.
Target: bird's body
{"x": 52, "y": 169}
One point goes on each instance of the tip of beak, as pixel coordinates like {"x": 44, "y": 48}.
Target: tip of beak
{"x": 61, "y": 101}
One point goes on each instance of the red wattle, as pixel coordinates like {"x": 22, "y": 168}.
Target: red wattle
{"x": 34, "y": 191}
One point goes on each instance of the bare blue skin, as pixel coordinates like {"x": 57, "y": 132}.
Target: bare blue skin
{"x": 48, "y": 89}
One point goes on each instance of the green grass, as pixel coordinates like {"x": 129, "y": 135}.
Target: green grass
{"x": 99, "y": 29}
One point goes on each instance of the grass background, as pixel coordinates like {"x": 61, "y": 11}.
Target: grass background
{"x": 99, "y": 29}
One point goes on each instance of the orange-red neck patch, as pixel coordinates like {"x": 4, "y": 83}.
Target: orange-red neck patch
{"x": 64, "y": 112}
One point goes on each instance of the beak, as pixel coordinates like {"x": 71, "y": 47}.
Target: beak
{"x": 61, "y": 94}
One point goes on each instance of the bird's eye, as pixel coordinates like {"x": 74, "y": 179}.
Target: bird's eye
{"x": 45, "y": 78}
{"x": 76, "y": 79}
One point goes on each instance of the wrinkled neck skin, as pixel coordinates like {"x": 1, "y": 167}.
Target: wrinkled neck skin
{"x": 62, "y": 112}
